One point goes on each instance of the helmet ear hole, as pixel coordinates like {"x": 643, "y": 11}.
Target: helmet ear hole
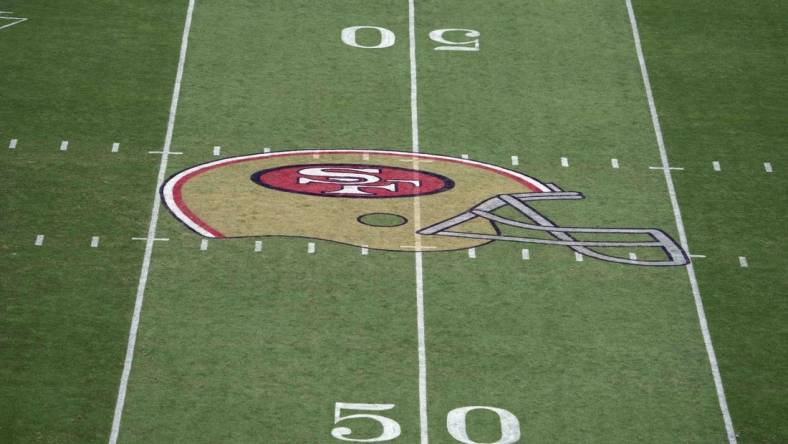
{"x": 382, "y": 220}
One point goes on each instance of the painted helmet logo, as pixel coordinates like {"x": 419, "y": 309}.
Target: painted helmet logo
{"x": 353, "y": 181}
{"x": 465, "y": 204}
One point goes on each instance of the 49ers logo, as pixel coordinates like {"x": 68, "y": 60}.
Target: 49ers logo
{"x": 354, "y": 181}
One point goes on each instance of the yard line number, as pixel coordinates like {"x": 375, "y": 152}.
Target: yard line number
{"x": 455, "y": 423}
{"x": 446, "y": 38}
{"x": 456, "y": 420}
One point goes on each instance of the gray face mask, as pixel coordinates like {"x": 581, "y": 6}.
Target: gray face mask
{"x": 674, "y": 255}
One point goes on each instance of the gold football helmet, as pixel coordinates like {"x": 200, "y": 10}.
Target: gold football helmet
{"x": 386, "y": 200}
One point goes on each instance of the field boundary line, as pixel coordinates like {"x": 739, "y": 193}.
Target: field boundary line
{"x": 151, "y": 238}
{"x": 418, "y": 264}
{"x": 704, "y": 327}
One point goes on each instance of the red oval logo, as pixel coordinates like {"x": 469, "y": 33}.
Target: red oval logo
{"x": 353, "y": 181}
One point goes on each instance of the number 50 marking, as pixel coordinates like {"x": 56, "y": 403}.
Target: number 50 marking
{"x": 391, "y": 428}
{"x": 387, "y": 38}
{"x": 437, "y": 36}
{"x": 455, "y": 423}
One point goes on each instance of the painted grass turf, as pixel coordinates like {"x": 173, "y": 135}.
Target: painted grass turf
{"x": 92, "y": 73}
{"x": 720, "y": 77}
{"x": 243, "y": 347}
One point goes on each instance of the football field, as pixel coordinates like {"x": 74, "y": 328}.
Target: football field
{"x": 476, "y": 222}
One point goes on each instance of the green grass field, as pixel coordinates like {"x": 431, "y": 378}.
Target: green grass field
{"x": 275, "y": 339}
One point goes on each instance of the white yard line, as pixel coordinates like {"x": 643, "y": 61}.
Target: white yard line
{"x": 715, "y": 371}
{"x": 414, "y": 128}
{"x": 154, "y": 217}
{"x": 169, "y": 153}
